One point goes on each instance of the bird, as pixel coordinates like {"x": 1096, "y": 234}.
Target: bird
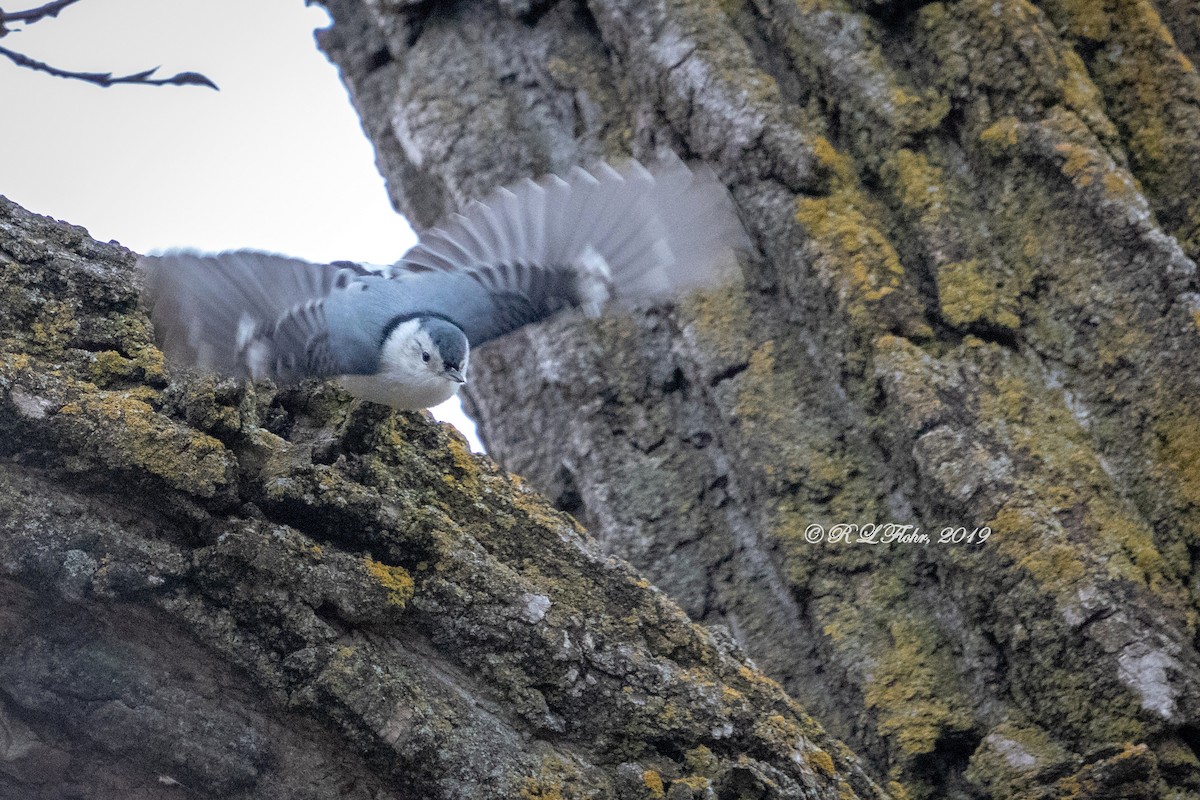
{"x": 402, "y": 335}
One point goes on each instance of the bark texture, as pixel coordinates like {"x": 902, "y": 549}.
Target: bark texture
{"x": 209, "y": 590}
{"x": 974, "y": 303}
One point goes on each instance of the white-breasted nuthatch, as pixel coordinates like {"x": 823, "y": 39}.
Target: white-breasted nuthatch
{"x": 402, "y": 335}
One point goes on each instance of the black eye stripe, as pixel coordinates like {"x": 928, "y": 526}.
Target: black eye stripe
{"x": 399, "y": 320}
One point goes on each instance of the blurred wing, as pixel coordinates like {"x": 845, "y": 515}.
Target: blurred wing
{"x": 248, "y": 314}
{"x": 601, "y": 234}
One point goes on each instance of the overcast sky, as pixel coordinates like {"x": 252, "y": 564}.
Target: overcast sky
{"x": 276, "y": 160}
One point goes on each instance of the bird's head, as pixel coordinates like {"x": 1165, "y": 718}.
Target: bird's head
{"x": 426, "y": 351}
{"x": 444, "y": 348}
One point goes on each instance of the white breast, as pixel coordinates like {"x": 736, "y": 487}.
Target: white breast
{"x": 389, "y": 389}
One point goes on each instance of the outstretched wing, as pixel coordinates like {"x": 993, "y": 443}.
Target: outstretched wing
{"x": 603, "y": 234}
{"x": 251, "y": 314}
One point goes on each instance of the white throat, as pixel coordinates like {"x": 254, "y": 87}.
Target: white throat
{"x": 403, "y": 381}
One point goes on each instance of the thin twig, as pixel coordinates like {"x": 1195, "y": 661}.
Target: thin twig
{"x": 34, "y": 14}
{"x": 144, "y": 78}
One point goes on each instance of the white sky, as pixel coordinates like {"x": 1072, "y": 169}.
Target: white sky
{"x": 275, "y": 161}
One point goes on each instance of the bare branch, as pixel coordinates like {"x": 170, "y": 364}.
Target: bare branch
{"x": 144, "y": 78}
{"x": 52, "y": 9}
{"x": 32, "y": 15}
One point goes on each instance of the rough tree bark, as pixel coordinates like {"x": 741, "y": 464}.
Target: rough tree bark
{"x": 209, "y": 590}
{"x": 974, "y": 303}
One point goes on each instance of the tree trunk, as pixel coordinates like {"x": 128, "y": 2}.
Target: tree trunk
{"x": 973, "y": 307}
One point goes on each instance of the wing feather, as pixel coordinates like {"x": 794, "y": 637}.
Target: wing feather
{"x": 634, "y": 232}
{"x": 250, "y": 314}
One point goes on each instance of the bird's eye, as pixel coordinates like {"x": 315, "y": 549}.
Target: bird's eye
{"x": 425, "y": 357}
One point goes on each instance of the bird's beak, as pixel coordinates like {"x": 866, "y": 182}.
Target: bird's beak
{"x": 454, "y": 374}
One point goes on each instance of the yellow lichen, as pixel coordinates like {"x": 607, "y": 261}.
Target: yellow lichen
{"x": 1085, "y": 162}
{"x": 20, "y": 361}
{"x": 1134, "y": 555}
{"x": 396, "y": 580}
{"x": 539, "y": 512}
{"x": 1054, "y": 564}
{"x": 654, "y": 782}
{"x": 696, "y": 783}
{"x": 857, "y": 261}
{"x": 822, "y": 761}
{"x": 129, "y": 432}
{"x": 1145, "y": 81}
{"x": 1001, "y": 137}
{"x": 778, "y": 730}
{"x": 828, "y": 157}
{"x": 722, "y": 321}
{"x": 1119, "y": 185}
{"x": 909, "y": 689}
{"x": 1080, "y": 163}
{"x": 968, "y": 294}
{"x": 535, "y": 789}
{"x": 466, "y": 470}
{"x": 108, "y": 366}
{"x": 109, "y": 362}
{"x": 918, "y": 184}
{"x": 755, "y": 404}
{"x": 55, "y": 325}
{"x": 1177, "y": 440}
{"x": 700, "y": 760}
{"x": 1088, "y": 19}
{"x": 1076, "y": 526}
{"x": 558, "y": 779}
